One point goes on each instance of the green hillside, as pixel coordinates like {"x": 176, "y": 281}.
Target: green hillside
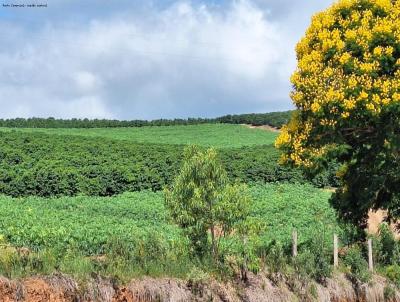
{"x": 215, "y": 135}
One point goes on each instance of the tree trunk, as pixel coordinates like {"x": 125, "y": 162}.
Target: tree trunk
{"x": 213, "y": 245}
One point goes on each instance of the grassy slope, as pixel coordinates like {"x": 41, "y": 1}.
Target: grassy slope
{"x": 85, "y": 222}
{"x": 285, "y": 207}
{"x": 89, "y": 221}
{"x": 216, "y": 135}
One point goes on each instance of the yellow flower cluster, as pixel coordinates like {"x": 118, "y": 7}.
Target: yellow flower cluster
{"x": 348, "y": 62}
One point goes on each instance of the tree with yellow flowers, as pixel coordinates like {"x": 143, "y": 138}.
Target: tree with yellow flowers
{"x": 347, "y": 91}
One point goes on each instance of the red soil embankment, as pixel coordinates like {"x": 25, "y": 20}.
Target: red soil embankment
{"x": 60, "y": 288}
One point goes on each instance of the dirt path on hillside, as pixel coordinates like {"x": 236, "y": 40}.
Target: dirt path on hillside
{"x": 264, "y": 127}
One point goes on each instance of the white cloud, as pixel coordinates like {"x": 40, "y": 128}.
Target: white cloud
{"x": 87, "y": 107}
{"x": 86, "y": 81}
{"x": 185, "y": 60}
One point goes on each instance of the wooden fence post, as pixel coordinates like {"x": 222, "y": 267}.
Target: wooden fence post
{"x": 294, "y": 243}
{"x": 370, "y": 260}
{"x": 335, "y": 251}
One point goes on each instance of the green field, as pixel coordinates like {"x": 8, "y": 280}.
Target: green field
{"x": 37, "y": 164}
{"x": 81, "y": 195}
{"x": 90, "y": 223}
{"x": 87, "y": 223}
{"x": 215, "y": 135}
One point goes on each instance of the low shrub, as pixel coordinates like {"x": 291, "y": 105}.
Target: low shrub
{"x": 276, "y": 261}
{"x": 387, "y": 248}
{"x": 356, "y": 263}
{"x": 314, "y": 259}
{"x": 392, "y": 272}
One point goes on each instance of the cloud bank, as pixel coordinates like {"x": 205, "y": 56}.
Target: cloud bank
{"x": 184, "y": 59}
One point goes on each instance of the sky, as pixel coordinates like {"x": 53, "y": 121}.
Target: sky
{"x": 132, "y": 59}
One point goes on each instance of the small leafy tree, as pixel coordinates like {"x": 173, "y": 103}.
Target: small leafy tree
{"x": 202, "y": 202}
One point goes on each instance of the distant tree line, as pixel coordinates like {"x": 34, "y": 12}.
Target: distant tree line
{"x": 95, "y": 123}
{"x": 274, "y": 119}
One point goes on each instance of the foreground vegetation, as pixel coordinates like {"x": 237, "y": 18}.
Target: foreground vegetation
{"x": 132, "y": 234}
{"x": 89, "y": 223}
{"x": 346, "y": 90}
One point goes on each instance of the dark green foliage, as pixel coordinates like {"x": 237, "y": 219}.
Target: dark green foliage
{"x": 258, "y": 164}
{"x": 371, "y": 168}
{"x": 325, "y": 177}
{"x": 275, "y": 119}
{"x": 54, "y": 165}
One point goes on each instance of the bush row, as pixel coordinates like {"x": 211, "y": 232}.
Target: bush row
{"x": 55, "y": 165}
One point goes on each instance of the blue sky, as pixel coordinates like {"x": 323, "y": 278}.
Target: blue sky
{"x": 131, "y": 59}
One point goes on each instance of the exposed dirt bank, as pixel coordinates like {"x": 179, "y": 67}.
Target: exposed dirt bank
{"x": 264, "y": 127}
{"x": 376, "y": 218}
{"x": 59, "y": 288}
